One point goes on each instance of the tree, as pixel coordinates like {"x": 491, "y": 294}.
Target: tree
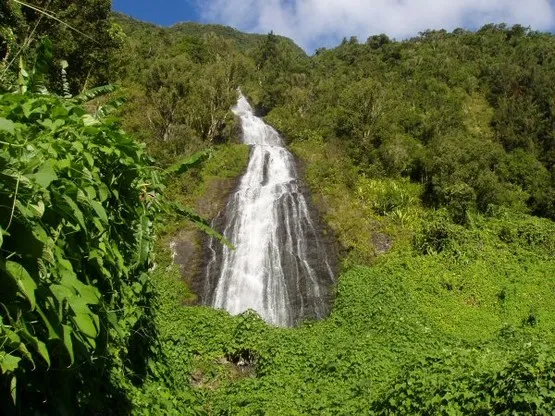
{"x": 85, "y": 39}
{"x": 267, "y": 52}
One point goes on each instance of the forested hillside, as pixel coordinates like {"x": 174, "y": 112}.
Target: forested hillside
{"x": 469, "y": 115}
{"x": 431, "y": 160}
{"x": 185, "y": 79}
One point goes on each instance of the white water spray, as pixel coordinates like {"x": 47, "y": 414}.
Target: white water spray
{"x": 279, "y": 267}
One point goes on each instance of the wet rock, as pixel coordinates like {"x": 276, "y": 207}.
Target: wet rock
{"x": 215, "y": 197}
{"x": 188, "y": 247}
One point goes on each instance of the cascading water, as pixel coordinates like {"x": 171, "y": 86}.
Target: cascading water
{"x": 279, "y": 266}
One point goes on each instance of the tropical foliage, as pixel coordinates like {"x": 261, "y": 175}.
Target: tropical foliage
{"x": 410, "y": 147}
{"x": 78, "y": 201}
{"x": 431, "y": 160}
{"x": 469, "y": 115}
{"x": 82, "y": 33}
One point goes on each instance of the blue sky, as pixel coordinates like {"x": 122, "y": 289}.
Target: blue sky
{"x": 162, "y": 12}
{"x": 317, "y": 23}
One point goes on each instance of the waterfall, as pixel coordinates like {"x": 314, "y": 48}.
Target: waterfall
{"x": 279, "y": 265}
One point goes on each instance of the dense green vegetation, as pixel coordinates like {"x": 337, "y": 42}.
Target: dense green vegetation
{"x": 77, "y": 206}
{"x": 469, "y": 115}
{"x": 84, "y": 41}
{"x": 432, "y": 161}
{"x": 181, "y": 82}
{"x": 408, "y": 143}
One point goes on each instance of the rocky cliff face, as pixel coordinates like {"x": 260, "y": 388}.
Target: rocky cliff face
{"x": 189, "y": 245}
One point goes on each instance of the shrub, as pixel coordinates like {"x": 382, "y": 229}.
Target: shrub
{"x": 77, "y": 201}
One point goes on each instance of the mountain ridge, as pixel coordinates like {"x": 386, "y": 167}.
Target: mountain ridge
{"x": 244, "y": 40}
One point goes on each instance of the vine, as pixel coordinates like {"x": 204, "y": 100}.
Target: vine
{"x": 78, "y": 198}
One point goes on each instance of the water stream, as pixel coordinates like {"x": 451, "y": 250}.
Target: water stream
{"x": 279, "y": 267}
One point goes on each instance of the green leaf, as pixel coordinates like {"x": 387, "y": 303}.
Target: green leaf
{"x": 37, "y": 209}
{"x": 88, "y": 293}
{"x": 8, "y": 362}
{"x": 52, "y": 332}
{"x": 43, "y": 351}
{"x": 27, "y": 108}
{"x": 7, "y": 125}
{"x": 11, "y": 336}
{"x": 143, "y": 239}
{"x": 89, "y": 158}
{"x": 24, "y": 281}
{"x": 68, "y": 343}
{"x": 200, "y": 223}
{"x": 62, "y": 292}
{"x": 71, "y": 289}
{"x": 110, "y": 107}
{"x": 103, "y": 192}
{"x": 100, "y": 211}
{"x": 22, "y": 348}
{"x": 113, "y": 320}
{"x": 36, "y": 343}
{"x": 13, "y": 389}
{"x": 76, "y": 211}
{"x": 94, "y": 93}
{"x": 85, "y": 323}
{"x": 77, "y": 146}
{"x": 59, "y": 111}
{"x": 89, "y": 120}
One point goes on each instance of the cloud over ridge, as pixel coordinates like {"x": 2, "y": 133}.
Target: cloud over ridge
{"x": 315, "y": 23}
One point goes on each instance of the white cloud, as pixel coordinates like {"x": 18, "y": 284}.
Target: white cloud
{"x": 315, "y": 23}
